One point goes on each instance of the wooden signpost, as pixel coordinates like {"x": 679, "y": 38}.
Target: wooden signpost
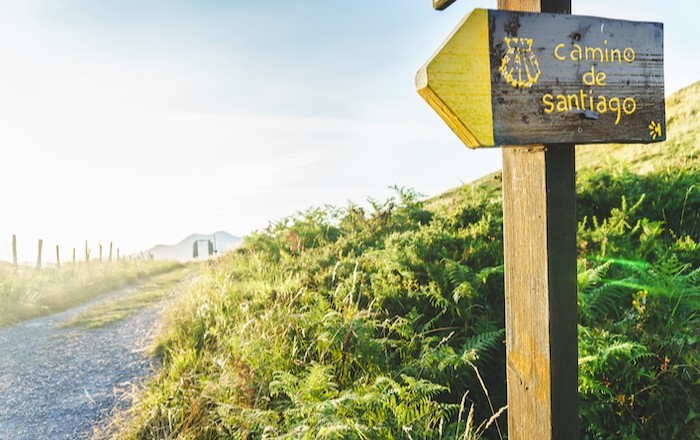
{"x": 540, "y": 83}
{"x": 507, "y": 78}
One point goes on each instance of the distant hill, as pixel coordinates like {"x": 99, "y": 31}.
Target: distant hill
{"x": 183, "y": 251}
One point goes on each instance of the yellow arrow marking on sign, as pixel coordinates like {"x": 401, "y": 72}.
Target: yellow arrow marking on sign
{"x": 456, "y": 82}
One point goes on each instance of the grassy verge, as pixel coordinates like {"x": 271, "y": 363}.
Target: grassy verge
{"x": 343, "y": 324}
{"x": 27, "y": 293}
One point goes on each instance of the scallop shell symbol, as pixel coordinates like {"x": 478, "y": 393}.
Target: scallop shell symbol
{"x": 519, "y": 66}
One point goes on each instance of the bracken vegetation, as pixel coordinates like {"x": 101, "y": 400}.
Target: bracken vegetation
{"x": 387, "y": 322}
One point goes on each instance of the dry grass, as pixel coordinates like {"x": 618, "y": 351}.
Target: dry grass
{"x": 141, "y": 296}
{"x": 27, "y": 293}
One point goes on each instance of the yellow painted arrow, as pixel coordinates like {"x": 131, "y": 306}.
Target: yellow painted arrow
{"x": 456, "y": 82}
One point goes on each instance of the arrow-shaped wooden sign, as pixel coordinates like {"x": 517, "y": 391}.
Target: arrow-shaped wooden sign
{"x": 514, "y": 78}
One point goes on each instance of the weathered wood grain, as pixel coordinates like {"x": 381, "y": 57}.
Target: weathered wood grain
{"x": 457, "y": 81}
{"x": 612, "y": 94}
{"x": 551, "y": 78}
{"x": 540, "y": 281}
{"x": 539, "y": 204}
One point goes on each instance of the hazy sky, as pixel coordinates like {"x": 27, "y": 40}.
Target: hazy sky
{"x": 140, "y": 122}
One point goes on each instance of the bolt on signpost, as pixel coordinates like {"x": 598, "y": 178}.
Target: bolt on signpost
{"x": 540, "y": 80}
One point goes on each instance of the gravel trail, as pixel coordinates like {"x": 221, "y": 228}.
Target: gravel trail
{"x": 57, "y": 383}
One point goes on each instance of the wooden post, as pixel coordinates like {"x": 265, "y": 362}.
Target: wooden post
{"x": 14, "y": 252}
{"x": 494, "y": 82}
{"x": 73, "y": 255}
{"x": 442, "y": 4}
{"x": 87, "y": 252}
{"x": 539, "y": 210}
{"x": 110, "y": 251}
{"x": 118, "y": 256}
{"x": 58, "y": 258}
{"x": 100, "y": 253}
{"x": 38, "y": 257}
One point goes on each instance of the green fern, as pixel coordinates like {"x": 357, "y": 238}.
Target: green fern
{"x": 483, "y": 346}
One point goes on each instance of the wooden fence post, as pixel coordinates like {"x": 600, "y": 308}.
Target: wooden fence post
{"x": 14, "y": 252}
{"x": 87, "y": 252}
{"x": 100, "y": 253}
{"x": 110, "y": 251}
{"x": 38, "y": 258}
{"x": 73, "y": 255}
{"x": 58, "y": 258}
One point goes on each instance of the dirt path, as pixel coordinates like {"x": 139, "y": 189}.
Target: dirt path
{"x": 57, "y": 383}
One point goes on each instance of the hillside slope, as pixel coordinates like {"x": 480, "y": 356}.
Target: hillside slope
{"x": 681, "y": 148}
{"x": 349, "y": 324}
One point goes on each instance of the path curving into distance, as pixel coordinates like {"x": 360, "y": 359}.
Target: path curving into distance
{"x": 57, "y": 383}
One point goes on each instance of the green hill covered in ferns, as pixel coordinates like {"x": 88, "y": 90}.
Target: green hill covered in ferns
{"x": 387, "y": 323}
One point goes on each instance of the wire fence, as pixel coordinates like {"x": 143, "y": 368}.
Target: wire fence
{"x": 39, "y": 255}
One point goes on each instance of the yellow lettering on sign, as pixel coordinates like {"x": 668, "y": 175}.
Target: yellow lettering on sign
{"x": 594, "y": 54}
{"x": 575, "y": 53}
{"x": 601, "y": 54}
{"x": 556, "y": 52}
{"x": 562, "y": 104}
{"x": 583, "y": 101}
{"x": 548, "y": 102}
{"x": 616, "y": 53}
{"x": 594, "y": 79}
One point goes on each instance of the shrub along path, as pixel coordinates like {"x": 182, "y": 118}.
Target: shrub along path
{"x": 58, "y": 381}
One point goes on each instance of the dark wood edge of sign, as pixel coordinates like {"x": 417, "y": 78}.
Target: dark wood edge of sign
{"x": 506, "y": 142}
{"x": 442, "y": 4}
